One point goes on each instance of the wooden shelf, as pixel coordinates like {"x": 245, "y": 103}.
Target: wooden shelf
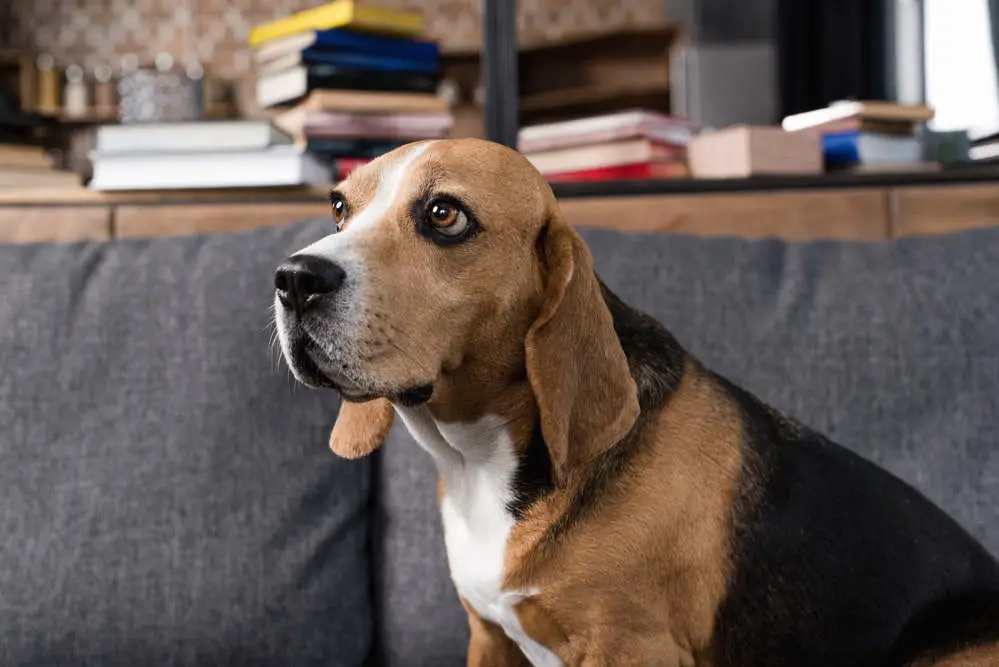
{"x": 82, "y": 196}
{"x": 597, "y": 95}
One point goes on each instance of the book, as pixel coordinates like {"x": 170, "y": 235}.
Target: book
{"x": 339, "y": 41}
{"x": 342, "y": 14}
{"x": 303, "y": 123}
{"x": 37, "y": 177}
{"x": 599, "y": 156}
{"x": 358, "y": 61}
{"x": 747, "y": 151}
{"x": 872, "y": 110}
{"x": 903, "y": 128}
{"x": 351, "y": 148}
{"x": 295, "y": 83}
{"x": 363, "y": 101}
{"x": 853, "y": 148}
{"x": 608, "y": 127}
{"x": 276, "y": 166}
{"x": 621, "y": 172}
{"x": 18, "y": 155}
{"x": 984, "y": 152}
{"x": 188, "y": 137}
{"x": 344, "y": 167}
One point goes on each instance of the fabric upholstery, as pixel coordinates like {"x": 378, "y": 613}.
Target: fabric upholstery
{"x": 166, "y": 493}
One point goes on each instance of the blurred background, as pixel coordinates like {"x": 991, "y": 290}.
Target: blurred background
{"x": 280, "y": 98}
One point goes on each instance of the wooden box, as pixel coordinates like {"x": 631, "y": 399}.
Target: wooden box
{"x": 742, "y": 151}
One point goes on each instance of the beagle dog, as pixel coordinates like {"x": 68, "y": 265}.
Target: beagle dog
{"x": 606, "y": 498}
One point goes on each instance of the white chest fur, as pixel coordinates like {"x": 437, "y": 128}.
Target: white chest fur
{"x": 478, "y": 464}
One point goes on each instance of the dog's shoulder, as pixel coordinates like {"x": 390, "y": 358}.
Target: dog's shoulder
{"x": 830, "y": 546}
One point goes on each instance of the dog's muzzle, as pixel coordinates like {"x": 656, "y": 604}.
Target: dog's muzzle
{"x": 303, "y": 280}
{"x": 305, "y": 283}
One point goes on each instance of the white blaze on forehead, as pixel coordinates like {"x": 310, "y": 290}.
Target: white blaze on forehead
{"x": 390, "y": 180}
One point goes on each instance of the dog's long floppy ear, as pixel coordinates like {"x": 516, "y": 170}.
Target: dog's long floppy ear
{"x": 361, "y": 428}
{"x": 587, "y": 399}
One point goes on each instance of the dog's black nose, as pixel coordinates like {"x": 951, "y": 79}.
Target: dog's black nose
{"x": 303, "y": 277}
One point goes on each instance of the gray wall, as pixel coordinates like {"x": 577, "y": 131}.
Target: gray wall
{"x": 725, "y": 20}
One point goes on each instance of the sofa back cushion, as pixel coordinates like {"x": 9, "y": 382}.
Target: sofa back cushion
{"x": 166, "y": 493}
{"x": 892, "y": 349}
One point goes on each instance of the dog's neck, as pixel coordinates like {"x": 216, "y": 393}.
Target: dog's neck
{"x": 481, "y": 407}
{"x": 458, "y": 432}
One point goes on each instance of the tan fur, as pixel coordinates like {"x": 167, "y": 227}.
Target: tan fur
{"x": 361, "y": 428}
{"x": 513, "y": 324}
{"x": 979, "y": 656}
{"x": 488, "y": 645}
{"x": 665, "y": 526}
{"x": 577, "y": 369}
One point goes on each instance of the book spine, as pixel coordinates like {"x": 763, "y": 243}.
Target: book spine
{"x": 322, "y": 77}
{"x": 841, "y": 148}
{"x": 332, "y": 149}
{"x": 403, "y": 49}
{"x": 313, "y": 55}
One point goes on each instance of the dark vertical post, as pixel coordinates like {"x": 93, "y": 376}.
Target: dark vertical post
{"x": 499, "y": 69}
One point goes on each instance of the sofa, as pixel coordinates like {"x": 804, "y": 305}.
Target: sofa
{"x": 167, "y": 496}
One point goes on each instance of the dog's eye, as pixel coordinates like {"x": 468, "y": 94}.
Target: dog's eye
{"x": 448, "y": 219}
{"x": 339, "y": 211}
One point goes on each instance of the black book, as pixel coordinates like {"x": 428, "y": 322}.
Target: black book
{"x": 296, "y": 82}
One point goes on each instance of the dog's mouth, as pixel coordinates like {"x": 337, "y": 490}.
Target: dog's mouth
{"x": 318, "y": 370}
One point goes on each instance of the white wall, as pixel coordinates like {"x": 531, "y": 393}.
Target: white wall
{"x": 960, "y": 65}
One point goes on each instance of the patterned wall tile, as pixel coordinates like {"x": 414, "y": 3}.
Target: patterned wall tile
{"x": 94, "y": 32}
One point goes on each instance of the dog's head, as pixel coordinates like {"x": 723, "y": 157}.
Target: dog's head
{"x": 449, "y": 276}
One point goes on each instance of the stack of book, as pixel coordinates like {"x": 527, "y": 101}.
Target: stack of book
{"x": 634, "y": 144}
{"x": 29, "y": 166}
{"x": 25, "y": 161}
{"x": 984, "y": 147}
{"x": 200, "y": 155}
{"x": 867, "y": 136}
{"x": 350, "y": 81}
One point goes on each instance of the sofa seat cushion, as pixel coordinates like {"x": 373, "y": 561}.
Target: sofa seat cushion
{"x": 166, "y": 493}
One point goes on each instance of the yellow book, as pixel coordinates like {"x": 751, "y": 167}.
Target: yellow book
{"x": 342, "y": 14}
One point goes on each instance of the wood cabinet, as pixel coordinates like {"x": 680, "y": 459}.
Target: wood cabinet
{"x": 799, "y": 211}
{"x": 58, "y": 224}
{"x": 139, "y": 220}
{"x": 795, "y": 216}
{"x": 929, "y": 210}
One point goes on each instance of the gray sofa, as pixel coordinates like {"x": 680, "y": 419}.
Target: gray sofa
{"x": 167, "y": 496}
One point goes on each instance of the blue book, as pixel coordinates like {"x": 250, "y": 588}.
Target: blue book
{"x": 868, "y": 148}
{"x": 363, "y": 61}
{"x": 418, "y": 55}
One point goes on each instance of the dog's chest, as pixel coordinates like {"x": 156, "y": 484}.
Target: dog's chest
{"x": 477, "y": 526}
{"x": 477, "y": 521}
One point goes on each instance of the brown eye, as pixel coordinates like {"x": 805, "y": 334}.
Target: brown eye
{"x": 339, "y": 211}
{"x": 448, "y": 219}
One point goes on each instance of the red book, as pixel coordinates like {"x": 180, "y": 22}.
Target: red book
{"x": 615, "y": 127}
{"x": 343, "y": 166}
{"x": 622, "y": 172}
{"x": 605, "y": 155}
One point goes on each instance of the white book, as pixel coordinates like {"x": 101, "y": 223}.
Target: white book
{"x": 272, "y": 167}
{"x": 189, "y": 137}
{"x": 283, "y": 86}
{"x": 885, "y": 111}
{"x": 603, "y": 128}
